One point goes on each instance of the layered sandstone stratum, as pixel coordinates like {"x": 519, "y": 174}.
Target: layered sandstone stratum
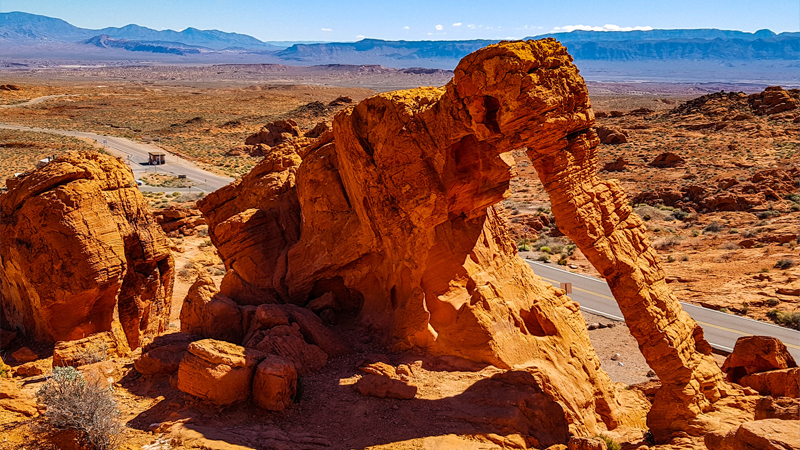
{"x": 393, "y": 212}
{"x": 81, "y": 253}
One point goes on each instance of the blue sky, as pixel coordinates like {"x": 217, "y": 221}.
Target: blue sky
{"x": 349, "y": 20}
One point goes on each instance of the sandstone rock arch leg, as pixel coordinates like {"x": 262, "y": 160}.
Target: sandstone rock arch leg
{"x": 598, "y": 217}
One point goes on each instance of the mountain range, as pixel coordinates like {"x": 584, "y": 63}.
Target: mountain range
{"x": 30, "y": 36}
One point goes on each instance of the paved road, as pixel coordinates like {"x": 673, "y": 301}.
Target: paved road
{"x": 32, "y": 101}
{"x": 135, "y": 155}
{"x": 720, "y": 329}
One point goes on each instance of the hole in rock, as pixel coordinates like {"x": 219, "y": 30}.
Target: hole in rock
{"x": 347, "y": 299}
{"x": 492, "y": 106}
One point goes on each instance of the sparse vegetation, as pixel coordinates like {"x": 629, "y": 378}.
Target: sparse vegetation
{"x": 713, "y": 227}
{"x": 784, "y": 264}
{"x": 74, "y": 403}
{"x": 611, "y": 444}
{"x": 785, "y": 319}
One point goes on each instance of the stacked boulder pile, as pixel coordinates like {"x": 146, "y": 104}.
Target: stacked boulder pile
{"x": 227, "y": 352}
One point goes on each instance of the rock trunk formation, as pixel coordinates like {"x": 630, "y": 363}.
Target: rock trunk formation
{"x": 393, "y": 212}
{"x": 81, "y": 251}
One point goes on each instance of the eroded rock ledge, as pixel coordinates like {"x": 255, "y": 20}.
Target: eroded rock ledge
{"x": 393, "y": 213}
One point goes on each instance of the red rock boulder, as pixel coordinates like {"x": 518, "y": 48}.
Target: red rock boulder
{"x": 274, "y": 383}
{"x": 667, "y": 159}
{"x": 777, "y": 383}
{"x": 274, "y": 133}
{"x": 81, "y": 249}
{"x": 611, "y": 135}
{"x": 91, "y": 349}
{"x": 755, "y": 354}
{"x": 618, "y": 165}
{"x": 209, "y": 314}
{"x": 164, "y": 354}
{"x": 218, "y": 371}
{"x": 774, "y": 100}
{"x": 768, "y": 434}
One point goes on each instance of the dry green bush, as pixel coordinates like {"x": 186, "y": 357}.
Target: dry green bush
{"x": 74, "y": 403}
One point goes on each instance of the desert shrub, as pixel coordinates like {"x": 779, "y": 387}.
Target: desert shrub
{"x": 545, "y": 249}
{"x": 680, "y": 214}
{"x": 670, "y": 259}
{"x": 784, "y": 264}
{"x": 749, "y": 233}
{"x": 695, "y": 233}
{"x": 558, "y": 248}
{"x": 610, "y": 443}
{"x": 767, "y": 214}
{"x": 73, "y": 403}
{"x": 544, "y": 258}
{"x": 562, "y": 262}
{"x": 713, "y": 227}
{"x": 785, "y": 319}
{"x": 216, "y": 271}
{"x": 523, "y": 245}
{"x": 205, "y": 243}
{"x": 771, "y": 302}
{"x": 667, "y": 241}
{"x": 793, "y": 197}
{"x": 684, "y": 258}
{"x": 648, "y": 212}
{"x": 730, "y": 246}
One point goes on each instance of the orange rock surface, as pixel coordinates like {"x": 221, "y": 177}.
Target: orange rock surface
{"x": 79, "y": 243}
{"x": 218, "y": 371}
{"x": 393, "y": 213}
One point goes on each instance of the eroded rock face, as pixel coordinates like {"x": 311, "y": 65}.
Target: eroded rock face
{"x": 393, "y": 213}
{"x": 78, "y": 243}
{"x": 768, "y": 434}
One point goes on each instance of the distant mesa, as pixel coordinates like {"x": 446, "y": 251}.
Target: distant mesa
{"x": 175, "y": 48}
{"x": 686, "y": 45}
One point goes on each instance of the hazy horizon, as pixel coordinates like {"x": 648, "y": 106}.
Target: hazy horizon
{"x": 353, "y": 20}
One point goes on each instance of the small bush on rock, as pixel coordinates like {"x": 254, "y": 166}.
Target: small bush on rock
{"x": 610, "y": 443}
{"x": 73, "y": 403}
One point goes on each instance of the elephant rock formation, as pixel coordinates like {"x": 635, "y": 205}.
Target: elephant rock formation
{"x": 393, "y": 211}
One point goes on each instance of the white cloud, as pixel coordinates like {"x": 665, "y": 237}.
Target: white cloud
{"x": 406, "y": 28}
{"x": 439, "y": 28}
{"x": 607, "y": 27}
{"x": 326, "y": 29}
{"x": 457, "y": 24}
{"x": 471, "y": 26}
{"x": 430, "y": 34}
{"x": 360, "y": 36}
